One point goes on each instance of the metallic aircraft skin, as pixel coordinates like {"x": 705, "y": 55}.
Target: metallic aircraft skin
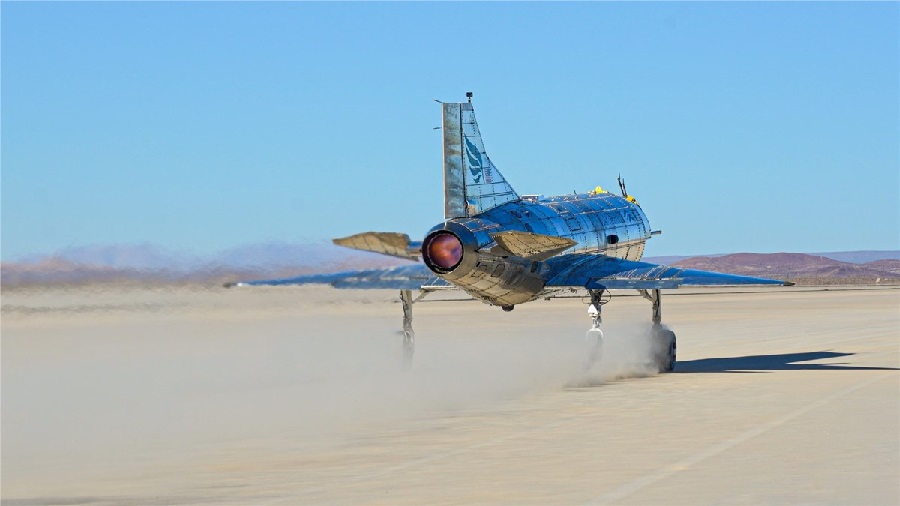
{"x": 516, "y": 249}
{"x": 505, "y": 249}
{"x": 597, "y": 224}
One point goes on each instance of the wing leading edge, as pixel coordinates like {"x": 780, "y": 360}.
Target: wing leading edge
{"x": 387, "y": 243}
{"x": 599, "y": 271}
{"x": 404, "y": 277}
{"x": 573, "y": 270}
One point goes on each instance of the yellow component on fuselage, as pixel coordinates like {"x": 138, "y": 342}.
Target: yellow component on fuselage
{"x": 598, "y": 190}
{"x": 631, "y": 199}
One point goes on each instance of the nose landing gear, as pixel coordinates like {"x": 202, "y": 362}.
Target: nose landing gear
{"x": 595, "y": 334}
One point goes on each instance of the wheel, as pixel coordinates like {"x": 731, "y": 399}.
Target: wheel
{"x": 665, "y": 346}
{"x": 595, "y": 335}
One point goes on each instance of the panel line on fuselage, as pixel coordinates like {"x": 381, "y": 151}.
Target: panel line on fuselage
{"x": 590, "y": 220}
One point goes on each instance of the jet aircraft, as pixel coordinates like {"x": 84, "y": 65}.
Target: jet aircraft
{"x": 507, "y": 249}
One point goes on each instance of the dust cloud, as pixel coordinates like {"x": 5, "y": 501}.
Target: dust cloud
{"x": 90, "y": 383}
{"x": 627, "y": 351}
{"x": 336, "y": 379}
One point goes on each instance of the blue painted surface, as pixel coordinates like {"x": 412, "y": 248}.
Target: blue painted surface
{"x": 406, "y": 277}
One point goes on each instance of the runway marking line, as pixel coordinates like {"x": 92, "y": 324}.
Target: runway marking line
{"x": 686, "y": 463}
{"x": 620, "y": 492}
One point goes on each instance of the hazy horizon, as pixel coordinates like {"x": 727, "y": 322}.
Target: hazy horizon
{"x": 313, "y": 253}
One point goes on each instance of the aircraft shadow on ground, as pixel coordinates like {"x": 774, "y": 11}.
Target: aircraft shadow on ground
{"x": 782, "y": 362}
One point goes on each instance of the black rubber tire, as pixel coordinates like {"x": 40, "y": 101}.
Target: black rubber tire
{"x": 666, "y": 350}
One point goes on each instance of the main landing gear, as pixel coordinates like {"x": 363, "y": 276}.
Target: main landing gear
{"x": 663, "y": 342}
{"x": 663, "y": 339}
{"x": 409, "y": 335}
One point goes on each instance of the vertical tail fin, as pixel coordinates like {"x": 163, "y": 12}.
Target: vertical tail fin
{"x": 472, "y": 184}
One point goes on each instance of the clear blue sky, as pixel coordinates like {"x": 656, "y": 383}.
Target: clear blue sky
{"x": 200, "y": 126}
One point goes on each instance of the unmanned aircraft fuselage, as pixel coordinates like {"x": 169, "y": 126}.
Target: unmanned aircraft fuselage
{"x": 505, "y": 249}
{"x": 592, "y": 224}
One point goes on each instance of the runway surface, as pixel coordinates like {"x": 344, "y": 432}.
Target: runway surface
{"x": 296, "y": 396}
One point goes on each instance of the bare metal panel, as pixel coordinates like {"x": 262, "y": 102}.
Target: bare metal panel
{"x": 454, "y": 182}
{"x": 515, "y": 250}
{"x": 532, "y": 246}
{"x": 486, "y": 188}
{"x": 387, "y": 243}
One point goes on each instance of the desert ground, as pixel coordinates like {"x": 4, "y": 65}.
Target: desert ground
{"x": 201, "y": 395}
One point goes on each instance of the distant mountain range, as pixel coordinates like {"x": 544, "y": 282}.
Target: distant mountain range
{"x": 147, "y": 257}
{"x": 853, "y": 257}
{"x": 798, "y": 267}
{"x": 146, "y": 263}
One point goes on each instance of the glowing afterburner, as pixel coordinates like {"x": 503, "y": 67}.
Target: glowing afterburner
{"x": 442, "y": 251}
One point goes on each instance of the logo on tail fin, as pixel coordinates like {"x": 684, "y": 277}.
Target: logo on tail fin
{"x": 475, "y": 163}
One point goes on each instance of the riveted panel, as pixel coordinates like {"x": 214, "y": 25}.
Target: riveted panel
{"x": 454, "y": 180}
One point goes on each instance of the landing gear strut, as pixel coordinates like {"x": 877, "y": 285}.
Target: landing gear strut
{"x": 594, "y": 333}
{"x": 409, "y": 335}
{"x": 664, "y": 345}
